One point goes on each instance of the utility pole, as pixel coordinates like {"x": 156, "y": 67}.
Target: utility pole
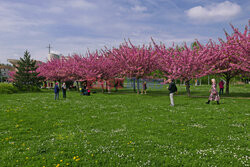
{"x": 49, "y": 48}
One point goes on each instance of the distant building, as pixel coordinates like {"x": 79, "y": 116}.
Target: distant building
{"x": 4, "y": 72}
{"x": 54, "y": 56}
{"x": 15, "y": 61}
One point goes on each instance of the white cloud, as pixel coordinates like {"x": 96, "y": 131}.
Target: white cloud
{"x": 138, "y": 8}
{"x": 215, "y": 12}
{"x": 54, "y": 10}
{"x": 81, "y": 4}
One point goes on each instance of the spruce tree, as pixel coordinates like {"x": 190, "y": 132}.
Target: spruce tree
{"x": 26, "y": 76}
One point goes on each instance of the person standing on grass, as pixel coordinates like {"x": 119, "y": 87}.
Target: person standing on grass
{"x": 144, "y": 87}
{"x": 172, "y": 89}
{"x": 56, "y": 90}
{"x": 214, "y": 96}
{"x": 221, "y": 84}
{"x": 64, "y": 88}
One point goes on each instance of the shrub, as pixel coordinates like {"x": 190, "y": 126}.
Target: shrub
{"x": 6, "y": 88}
{"x": 28, "y": 88}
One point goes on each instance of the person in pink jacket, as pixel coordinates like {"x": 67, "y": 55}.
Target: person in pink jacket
{"x": 221, "y": 85}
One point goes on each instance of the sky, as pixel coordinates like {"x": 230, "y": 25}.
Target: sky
{"x": 74, "y": 26}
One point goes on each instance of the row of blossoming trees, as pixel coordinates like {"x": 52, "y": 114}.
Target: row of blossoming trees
{"x": 228, "y": 58}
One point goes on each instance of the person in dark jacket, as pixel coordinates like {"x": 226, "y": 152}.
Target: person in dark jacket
{"x": 64, "y": 88}
{"x": 56, "y": 90}
{"x": 172, "y": 89}
{"x": 221, "y": 84}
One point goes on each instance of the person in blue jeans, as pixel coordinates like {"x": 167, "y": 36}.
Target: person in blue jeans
{"x": 172, "y": 89}
{"x": 56, "y": 90}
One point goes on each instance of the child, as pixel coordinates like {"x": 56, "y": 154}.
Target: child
{"x": 88, "y": 92}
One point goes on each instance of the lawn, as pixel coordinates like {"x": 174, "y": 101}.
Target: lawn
{"x": 125, "y": 129}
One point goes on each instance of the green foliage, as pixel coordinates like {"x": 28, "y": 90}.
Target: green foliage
{"x": 124, "y": 129}
{"x": 157, "y": 74}
{"x": 6, "y": 88}
{"x": 194, "y": 45}
{"x": 26, "y": 77}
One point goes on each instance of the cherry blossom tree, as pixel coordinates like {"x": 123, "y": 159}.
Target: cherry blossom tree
{"x": 230, "y": 58}
{"x": 54, "y": 70}
{"x": 182, "y": 63}
{"x": 135, "y": 61}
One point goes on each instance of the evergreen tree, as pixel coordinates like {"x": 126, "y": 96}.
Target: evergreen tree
{"x": 26, "y": 76}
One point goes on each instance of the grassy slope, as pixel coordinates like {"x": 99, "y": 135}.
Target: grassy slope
{"x": 124, "y": 129}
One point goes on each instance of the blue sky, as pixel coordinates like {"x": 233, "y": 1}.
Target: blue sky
{"x": 73, "y": 26}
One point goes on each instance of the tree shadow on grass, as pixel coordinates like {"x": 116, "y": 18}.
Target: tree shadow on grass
{"x": 158, "y": 93}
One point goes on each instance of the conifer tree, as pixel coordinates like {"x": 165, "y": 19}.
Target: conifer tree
{"x": 26, "y": 76}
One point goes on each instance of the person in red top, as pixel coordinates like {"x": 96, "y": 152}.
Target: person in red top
{"x": 221, "y": 84}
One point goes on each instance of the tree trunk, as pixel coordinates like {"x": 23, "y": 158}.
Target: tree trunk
{"x": 77, "y": 85}
{"x": 227, "y": 85}
{"x": 187, "y": 83}
{"x": 106, "y": 86}
{"x": 116, "y": 85}
{"x": 134, "y": 84}
{"x": 109, "y": 89}
{"x": 138, "y": 85}
{"x": 102, "y": 87}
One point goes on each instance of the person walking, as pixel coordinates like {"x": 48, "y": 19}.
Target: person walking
{"x": 144, "y": 87}
{"x": 56, "y": 90}
{"x": 172, "y": 89}
{"x": 221, "y": 85}
{"x": 64, "y": 88}
{"x": 214, "y": 96}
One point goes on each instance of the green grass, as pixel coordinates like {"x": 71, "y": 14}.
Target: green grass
{"x": 125, "y": 129}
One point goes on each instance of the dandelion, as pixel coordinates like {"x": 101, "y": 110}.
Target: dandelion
{"x": 61, "y": 160}
{"x": 78, "y": 159}
{"x": 74, "y": 157}
{"x": 67, "y": 164}
{"x": 57, "y": 165}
